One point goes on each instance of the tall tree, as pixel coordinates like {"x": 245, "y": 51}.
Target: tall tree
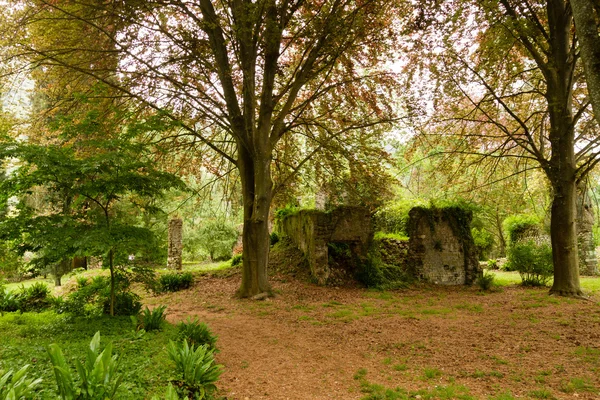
{"x": 510, "y": 69}
{"x": 238, "y": 76}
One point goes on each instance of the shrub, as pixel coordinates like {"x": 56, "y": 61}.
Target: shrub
{"x": 533, "y": 261}
{"x": 486, "y": 281}
{"x": 517, "y": 227}
{"x": 196, "y": 334}
{"x": 236, "y": 260}
{"x": 17, "y": 385}
{"x": 196, "y": 367}
{"x": 94, "y": 298}
{"x": 175, "y": 281}
{"x": 34, "y": 298}
{"x": 97, "y": 375}
{"x": 152, "y": 320}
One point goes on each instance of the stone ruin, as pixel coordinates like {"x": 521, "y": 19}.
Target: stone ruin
{"x": 311, "y": 230}
{"x": 441, "y": 249}
{"x": 588, "y": 262}
{"x": 175, "y": 252}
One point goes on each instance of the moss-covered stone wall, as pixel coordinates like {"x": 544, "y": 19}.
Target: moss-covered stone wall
{"x": 311, "y": 230}
{"x": 441, "y": 248}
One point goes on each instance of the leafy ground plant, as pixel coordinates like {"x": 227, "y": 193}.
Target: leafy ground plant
{"x": 98, "y": 379}
{"x": 486, "y": 281}
{"x": 196, "y": 333}
{"x": 196, "y": 367}
{"x": 174, "y": 282}
{"x": 152, "y": 320}
{"x": 17, "y": 385}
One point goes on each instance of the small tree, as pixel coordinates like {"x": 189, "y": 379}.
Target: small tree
{"x": 84, "y": 183}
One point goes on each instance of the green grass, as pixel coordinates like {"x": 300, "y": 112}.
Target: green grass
{"x": 143, "y": 360}
{"x": 505, "y": 278}
{"x": 13, "y": 287}
{"x": 578, "y": 385}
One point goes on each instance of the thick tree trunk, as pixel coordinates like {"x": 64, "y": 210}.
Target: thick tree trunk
{"x": 561, "y": 168}
{"x": 257, "y": 187}
{"x": 563, "y": 233}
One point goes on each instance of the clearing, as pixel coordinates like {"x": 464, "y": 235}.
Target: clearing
{"x": 312, "y": 342}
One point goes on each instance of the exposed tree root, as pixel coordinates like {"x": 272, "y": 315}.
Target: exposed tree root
{"x": 575, "y": 294}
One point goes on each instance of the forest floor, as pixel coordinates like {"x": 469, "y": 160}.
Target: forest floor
{"x": 426, "y": 342}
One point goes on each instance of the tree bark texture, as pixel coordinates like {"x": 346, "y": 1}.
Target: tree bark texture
{"x": 587, "y": 23}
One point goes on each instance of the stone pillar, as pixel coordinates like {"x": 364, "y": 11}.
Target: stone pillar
{"x": 588, "y": 263}
{"x": 175, "y": 243}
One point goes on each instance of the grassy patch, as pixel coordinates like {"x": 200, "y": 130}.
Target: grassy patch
{"x": 143, "y": 360}
{"x": 376, "y": 391}
{"x": 431, "y": 373}
{"x": 588, "y": 354}
{"x": 578, "y": 385}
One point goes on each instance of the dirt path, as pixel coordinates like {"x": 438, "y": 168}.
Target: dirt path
{"x": 310, "y": 342}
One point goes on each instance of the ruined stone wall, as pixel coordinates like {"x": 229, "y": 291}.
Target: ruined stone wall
{"x": 311, "y": 230}
{"x": 174, "y": 255}
{"x": 394, "y": 252}
{"x": 441, "y": 248}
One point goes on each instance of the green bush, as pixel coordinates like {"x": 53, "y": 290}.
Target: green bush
{"x": 196, "y": 334}
{"x": 98, "y": 379}
{"x": 533, "y": 261}
{"x": 195, "y": 366}
{"x": 16, "y": 385}
{"x": 519, "y": 226}
{"x": 35, "y": 297}
{"x": 492, "y": 263}
{"x": 93, "y": 299}
{"x": 152, "y": 320}
{"x": 175, "y": 281}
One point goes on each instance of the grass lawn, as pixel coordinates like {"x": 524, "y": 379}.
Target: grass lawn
{"x": 589, "y": 284}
